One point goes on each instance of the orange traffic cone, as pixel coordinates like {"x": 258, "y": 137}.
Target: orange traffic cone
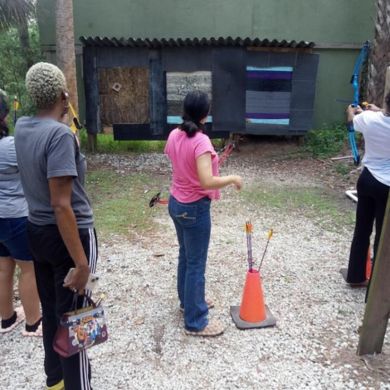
{"x": 253, "y": 313}
{"x": 368, "y": 265}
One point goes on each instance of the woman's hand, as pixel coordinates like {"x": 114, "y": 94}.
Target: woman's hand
{"x": 78, "y": 278}
{"x": 237, "y": 182}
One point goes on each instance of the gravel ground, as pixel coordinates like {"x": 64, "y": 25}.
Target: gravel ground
{"x": 312, "y": 347}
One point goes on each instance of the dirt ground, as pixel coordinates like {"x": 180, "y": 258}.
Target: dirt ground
{"x": 314, "y": 343}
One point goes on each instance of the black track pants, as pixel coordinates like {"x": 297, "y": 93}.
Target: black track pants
{"x": 372, "y": 200}
{"x": 52, "y": 262}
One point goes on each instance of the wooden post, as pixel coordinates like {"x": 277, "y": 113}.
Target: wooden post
{"x": 377, "y": 311}
{"x": 376, "y": 315}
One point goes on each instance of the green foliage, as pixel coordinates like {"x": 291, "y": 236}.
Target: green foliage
{"x": 13, "y": 66}
{"x": 343, "y": 169}
{"x": 327, "y": 141}
{"x": 107, "y": 144}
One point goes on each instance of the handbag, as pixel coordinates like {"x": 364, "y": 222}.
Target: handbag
{"x": 80, "y": 329}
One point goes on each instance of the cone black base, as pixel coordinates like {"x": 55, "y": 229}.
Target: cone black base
{"x": 269, "y": 321}
{"x": 344, "y": 274}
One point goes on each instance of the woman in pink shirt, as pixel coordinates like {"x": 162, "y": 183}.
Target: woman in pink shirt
{"x": 195, "y": 182}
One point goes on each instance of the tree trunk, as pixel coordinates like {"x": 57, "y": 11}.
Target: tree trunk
{"x": 66, "y": 57}
{"x": 380, "y": 54}
{"x": 24, "y": 39}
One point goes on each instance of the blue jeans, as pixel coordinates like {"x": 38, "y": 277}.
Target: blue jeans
{"x": 193, "y": 226}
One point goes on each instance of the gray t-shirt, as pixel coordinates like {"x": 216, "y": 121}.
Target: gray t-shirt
{"x": 45, "y": 149}
{"x": 12, "y": 201}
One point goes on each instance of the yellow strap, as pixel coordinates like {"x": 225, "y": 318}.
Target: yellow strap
{"x": 16, "y": 104}
{"x": 73, "y": 112}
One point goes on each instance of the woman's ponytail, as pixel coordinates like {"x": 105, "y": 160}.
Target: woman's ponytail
{"x": 196, "y": 107}
{"x": 189, "y": 126}
{"x": 4, "y": 110}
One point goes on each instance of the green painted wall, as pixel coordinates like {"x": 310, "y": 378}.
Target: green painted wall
{"x": 333, "y": 82}
{"x": 325, "y": 22}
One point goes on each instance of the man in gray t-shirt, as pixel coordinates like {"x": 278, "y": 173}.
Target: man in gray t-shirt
{"x": 60, "y": 222}
{"x": 46, "y": 148}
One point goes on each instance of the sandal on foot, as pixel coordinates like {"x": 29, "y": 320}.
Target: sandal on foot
{"x": 214, "y": 328}
{"x": 36, "y": 333}
{"x": 19, "y": 318}
{"x": 209, "y": 303}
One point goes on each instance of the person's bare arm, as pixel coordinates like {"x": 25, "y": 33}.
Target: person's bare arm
{"x": 60, "y": 198}
{"x": 210, "y": 182}
{"x": 373, "y": 107}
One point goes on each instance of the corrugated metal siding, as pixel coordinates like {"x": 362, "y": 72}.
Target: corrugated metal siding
{"x": 198, "y": 42}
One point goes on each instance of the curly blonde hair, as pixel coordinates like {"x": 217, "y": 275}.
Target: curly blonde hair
{"x": 45, "y": 82}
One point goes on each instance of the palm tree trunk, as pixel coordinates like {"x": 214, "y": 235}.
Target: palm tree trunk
{"x": 24, "y": 39}
{"x": 66, "y": 57}
{"x": 380, "y": 54}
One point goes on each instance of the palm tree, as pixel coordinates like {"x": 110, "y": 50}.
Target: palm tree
{"x": 16, "y": 13}
{"x": 380, "y": 55}
{"x": 66, "y": 57}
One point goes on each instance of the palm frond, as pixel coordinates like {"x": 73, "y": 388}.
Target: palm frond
{"x": 15, "y": 12}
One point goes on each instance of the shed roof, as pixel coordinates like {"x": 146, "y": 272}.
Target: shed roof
{"x": 197, "y": 42}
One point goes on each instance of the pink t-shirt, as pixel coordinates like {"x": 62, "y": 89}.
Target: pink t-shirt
{"x": 183, "y": 152}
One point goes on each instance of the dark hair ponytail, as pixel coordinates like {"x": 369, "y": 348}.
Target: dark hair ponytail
{"x": 4, "y": 131}
{"x": 196, "y": 107}
{"x": 4, "y": 110}
{"x": 387, "y": 101}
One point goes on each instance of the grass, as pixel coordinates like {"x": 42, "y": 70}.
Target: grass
{"x": 120, "y": 202}
{"x": 107, "y": 144}
{"x": 322, "y": 207}
{"x": 343, "y": 169}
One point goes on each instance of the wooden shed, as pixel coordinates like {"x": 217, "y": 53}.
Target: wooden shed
{"x": 136, "y": 86}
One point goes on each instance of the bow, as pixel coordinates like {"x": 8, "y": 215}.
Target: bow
{"x": 157, "y": 199}
{"x": 356, "y": 89}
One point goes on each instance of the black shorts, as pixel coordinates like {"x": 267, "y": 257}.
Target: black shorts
{"x": 13, "y": 238}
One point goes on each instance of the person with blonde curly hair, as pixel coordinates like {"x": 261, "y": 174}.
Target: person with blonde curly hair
{"x": 60, "y": 221}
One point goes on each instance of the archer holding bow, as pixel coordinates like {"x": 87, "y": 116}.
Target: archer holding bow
{"x": 373, "y": 184}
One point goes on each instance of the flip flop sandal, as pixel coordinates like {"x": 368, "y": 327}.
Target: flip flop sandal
{"x": 37, "y": 333}
{"x": 214, "y": 328}
{"x": 59, "y": 386}
{"x": 19, "y": 319}
{"x": 209, "y": 303}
